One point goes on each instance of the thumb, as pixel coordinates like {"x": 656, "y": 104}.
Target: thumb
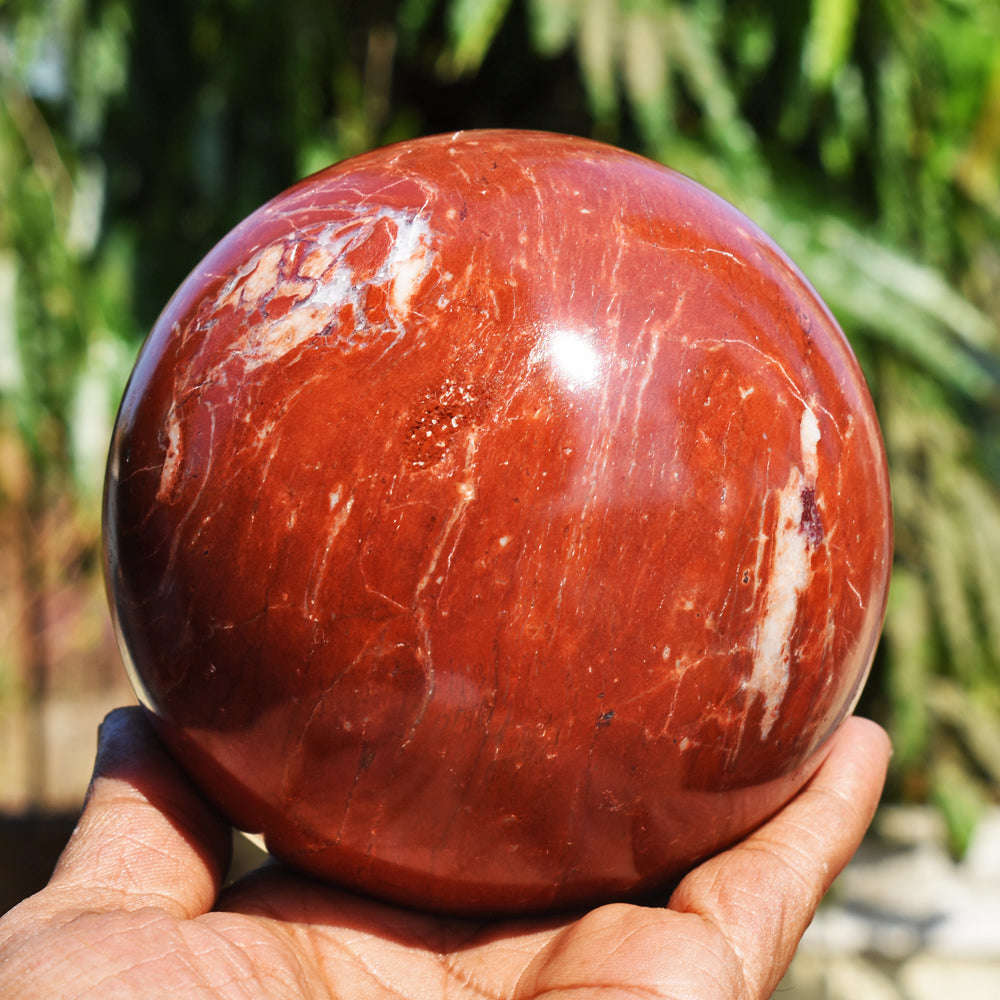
{"x": 145, "y": 837}
{"x": 762, "y": 893}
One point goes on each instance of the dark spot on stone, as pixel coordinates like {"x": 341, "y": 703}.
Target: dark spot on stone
{"x": 811, "y": 524}
{"x": 805, "y": 323}
{"x": 604, "y": 719}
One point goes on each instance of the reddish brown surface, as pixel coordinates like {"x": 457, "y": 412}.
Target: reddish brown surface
{"x": 498, "y": 521}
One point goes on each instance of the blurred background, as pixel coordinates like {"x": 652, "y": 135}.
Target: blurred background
{"x": 864, "y": 137}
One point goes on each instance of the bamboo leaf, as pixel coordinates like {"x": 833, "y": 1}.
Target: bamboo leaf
{"x": 980, "y": 513}
{"x": 919, "y": 285}
{"x": 412, "y": 17}
{"x": 978, "y": 169}
{"x": 907, "y": 628}
{"x": 828, "y": 40}
{"x": 976, "y": 724}
{"x": 948, "y": 560}
{"x": 472, "y": 26}
{"x": 960, "y": 799}
{"x": 705, "y": 74}
{"x": 597, "y": 44}
{"x": 10, "y": 357}
{"x": 552, "y": 23}
{"x": 894, "y": 128}
{"x": 647, "y": 83}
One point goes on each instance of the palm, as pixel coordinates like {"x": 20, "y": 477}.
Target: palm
{"x": 141, "y": 916}
{"x": 285, "y": 937}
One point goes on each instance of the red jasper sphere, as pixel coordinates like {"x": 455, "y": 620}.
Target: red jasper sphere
{"x": 497, "y": 522}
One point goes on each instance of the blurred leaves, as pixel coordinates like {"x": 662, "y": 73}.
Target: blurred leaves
{"x": 864, "y": 137}
{"x": 58, "y": 309}
{"x": 828, "y": 41}
{"x": 472, "y": 24}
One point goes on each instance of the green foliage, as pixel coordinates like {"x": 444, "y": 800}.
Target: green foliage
{"x": 472, "y": 25}
{"x": 65, "y": 307}
{"x": 864, "y": 137}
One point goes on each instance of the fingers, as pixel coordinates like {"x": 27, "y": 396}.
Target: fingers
{"x": 762, "y": 894}
{"x": 145, "y": 838}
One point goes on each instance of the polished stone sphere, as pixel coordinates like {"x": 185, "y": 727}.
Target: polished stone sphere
{"x": 497, "y": 522}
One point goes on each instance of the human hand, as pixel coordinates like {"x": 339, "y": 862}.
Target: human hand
{"x": 135, "y": 907}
